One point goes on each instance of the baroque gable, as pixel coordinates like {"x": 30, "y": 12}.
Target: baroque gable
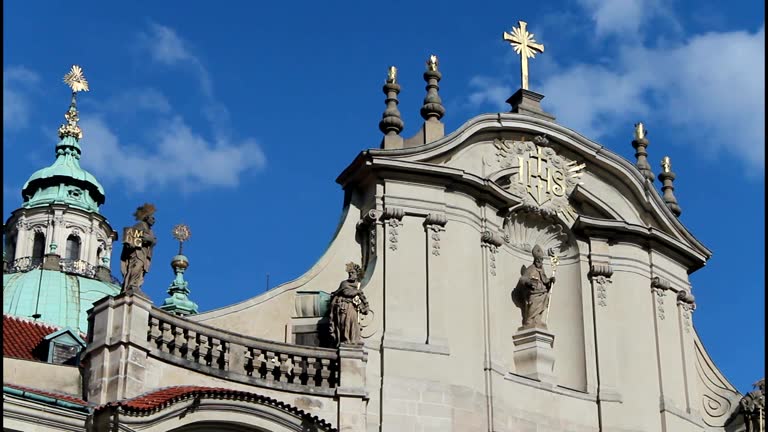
{"x": 520, "y": 163}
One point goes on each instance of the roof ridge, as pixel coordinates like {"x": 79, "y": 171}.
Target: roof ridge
{"x": 51, "y": 393}
{"x": 137, "y": 404}
{"x": 31, "y": 321}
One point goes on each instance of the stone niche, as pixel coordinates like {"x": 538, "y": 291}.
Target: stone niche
{"x": 566, "y": 317}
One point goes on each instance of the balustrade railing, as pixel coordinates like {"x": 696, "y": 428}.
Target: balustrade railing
{"x": 25, "y": 264}
{"x": 78, "y": 267}
{"x": 274, "y": 364}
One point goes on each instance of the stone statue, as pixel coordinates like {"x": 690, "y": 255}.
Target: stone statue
{"x": 348, "y": 302}
{"x": 532, "y": 292}
{"x": 753, "y": 407}
{"x": 138, "y": 242}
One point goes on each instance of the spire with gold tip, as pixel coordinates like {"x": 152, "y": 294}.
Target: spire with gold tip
{"x": 666, "y": 176}
{"x": 640, "y": 143}
{"x": 77, "y": 82}
{"x": 179, "y": 303}
{"x": 433, "y": 109}
{"x": 391, "y": 124}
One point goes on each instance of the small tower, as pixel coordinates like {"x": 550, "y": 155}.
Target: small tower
{"x": 391, "y": 124}
{"x": 179, "y": 303}
{"x": 640, "y": 143}
{"x": 57, "y": 244}
{"x": 666, "y": 176}
{"x": 432, "y": 110}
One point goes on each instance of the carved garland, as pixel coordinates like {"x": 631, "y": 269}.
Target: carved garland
{"x": 600, "y": 275}
{"x": 492, "y": 241}
{"x": 435, "y": 223}
{"x": 392, "y": 218}
{"x": 687, "y": 303}
{"x": 658, "y": 287}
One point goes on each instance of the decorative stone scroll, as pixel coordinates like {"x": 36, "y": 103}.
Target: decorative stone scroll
{"x": 392, "y": 218}
{"x": 541, "y": 178}
{"x": 366, "y": 228}
{"x": 434, "y": 223}
{"x": 492, "y": 241}
{"x": 600, "y": 275}
{"x": 658, "y": 287}
{"x": 523, "y": 230}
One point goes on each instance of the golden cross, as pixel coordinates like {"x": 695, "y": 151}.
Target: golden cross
{"x": 523, "y": 44}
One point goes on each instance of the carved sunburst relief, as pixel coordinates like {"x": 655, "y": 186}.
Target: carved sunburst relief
{"x": 533, "y": 171}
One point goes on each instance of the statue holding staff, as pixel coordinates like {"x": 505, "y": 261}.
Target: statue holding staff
{"x": 533, "y": 290}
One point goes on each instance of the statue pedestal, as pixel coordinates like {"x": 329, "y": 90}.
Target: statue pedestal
{"x": 534, "y": 354}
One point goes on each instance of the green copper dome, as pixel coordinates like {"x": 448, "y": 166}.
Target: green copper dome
{"x": 61, "y": 299}
{"x": 64, "y": 181}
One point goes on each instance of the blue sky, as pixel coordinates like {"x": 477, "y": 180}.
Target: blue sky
{"x": 237, "y": 119}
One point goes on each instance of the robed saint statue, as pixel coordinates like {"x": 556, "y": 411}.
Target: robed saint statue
{"x": 532, "y": 292}
{"x": 138, "y": 242}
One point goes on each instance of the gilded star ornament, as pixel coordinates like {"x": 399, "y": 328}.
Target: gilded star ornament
{"x": 76, "y": 80}
{"x": 181, "y": 233}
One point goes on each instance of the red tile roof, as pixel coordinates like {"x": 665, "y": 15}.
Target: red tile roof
{"x": 61, "y": 396}
{"x": 21, "y": 336}
{"x": 164, "y": 397}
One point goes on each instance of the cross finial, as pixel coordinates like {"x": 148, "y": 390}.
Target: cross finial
{"x": 525, "y": 45}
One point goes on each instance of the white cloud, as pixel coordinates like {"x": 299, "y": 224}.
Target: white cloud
{"x": 167, "y": 48}
{"x": 713, "y": 102}
{"x": 181, "y": 158}
{"x": 718, "y": 103}
{"x": 626, "y": 19}
{"x": 489, "y": 91}
{"x": 17, "y": 81}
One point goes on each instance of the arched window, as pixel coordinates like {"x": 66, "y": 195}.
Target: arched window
{"x": 73, "y": 247}
{"x": 38, "y": 247}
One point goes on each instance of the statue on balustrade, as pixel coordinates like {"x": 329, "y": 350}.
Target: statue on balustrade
{"x": 348, "y": 304}
{"x": 138, "y": 242}
{"x": 532, "y": 292}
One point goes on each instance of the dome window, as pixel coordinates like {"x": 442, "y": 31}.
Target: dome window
{"x": 38, "y": 247}
{"x": 73, "y": 248}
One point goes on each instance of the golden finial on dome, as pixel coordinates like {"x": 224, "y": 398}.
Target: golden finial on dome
{"x": 181, "y": 233}
{"x": 76, "y": 80}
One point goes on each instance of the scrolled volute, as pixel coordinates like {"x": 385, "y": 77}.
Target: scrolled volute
{"x": 439, "y": 219}
{"x": 596, "y": 270}
{"x": 392, "y": 213}
{"x": 492, "y": 238}
{"x": 660, "y": 283}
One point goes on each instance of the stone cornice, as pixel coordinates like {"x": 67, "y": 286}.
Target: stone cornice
{"x": 644, "y": 192}
{"x": 692, "y": 258}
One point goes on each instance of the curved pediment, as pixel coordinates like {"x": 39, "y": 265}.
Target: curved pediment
{"x": 532, "y": 164}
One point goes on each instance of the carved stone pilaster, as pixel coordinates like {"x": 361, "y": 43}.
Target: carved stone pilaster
{"x": 434, "y": 224}
{"x": 600, "y": 275}
{"x": 492, "y": 241}
{"x": 392, "y": 218}
{"x": 659, "y": 286}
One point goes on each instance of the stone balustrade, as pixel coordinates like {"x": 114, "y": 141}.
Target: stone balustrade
{"x": 239, "y": 358}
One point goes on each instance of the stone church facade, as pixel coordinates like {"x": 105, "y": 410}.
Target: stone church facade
{"x": 442, "y": 227}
